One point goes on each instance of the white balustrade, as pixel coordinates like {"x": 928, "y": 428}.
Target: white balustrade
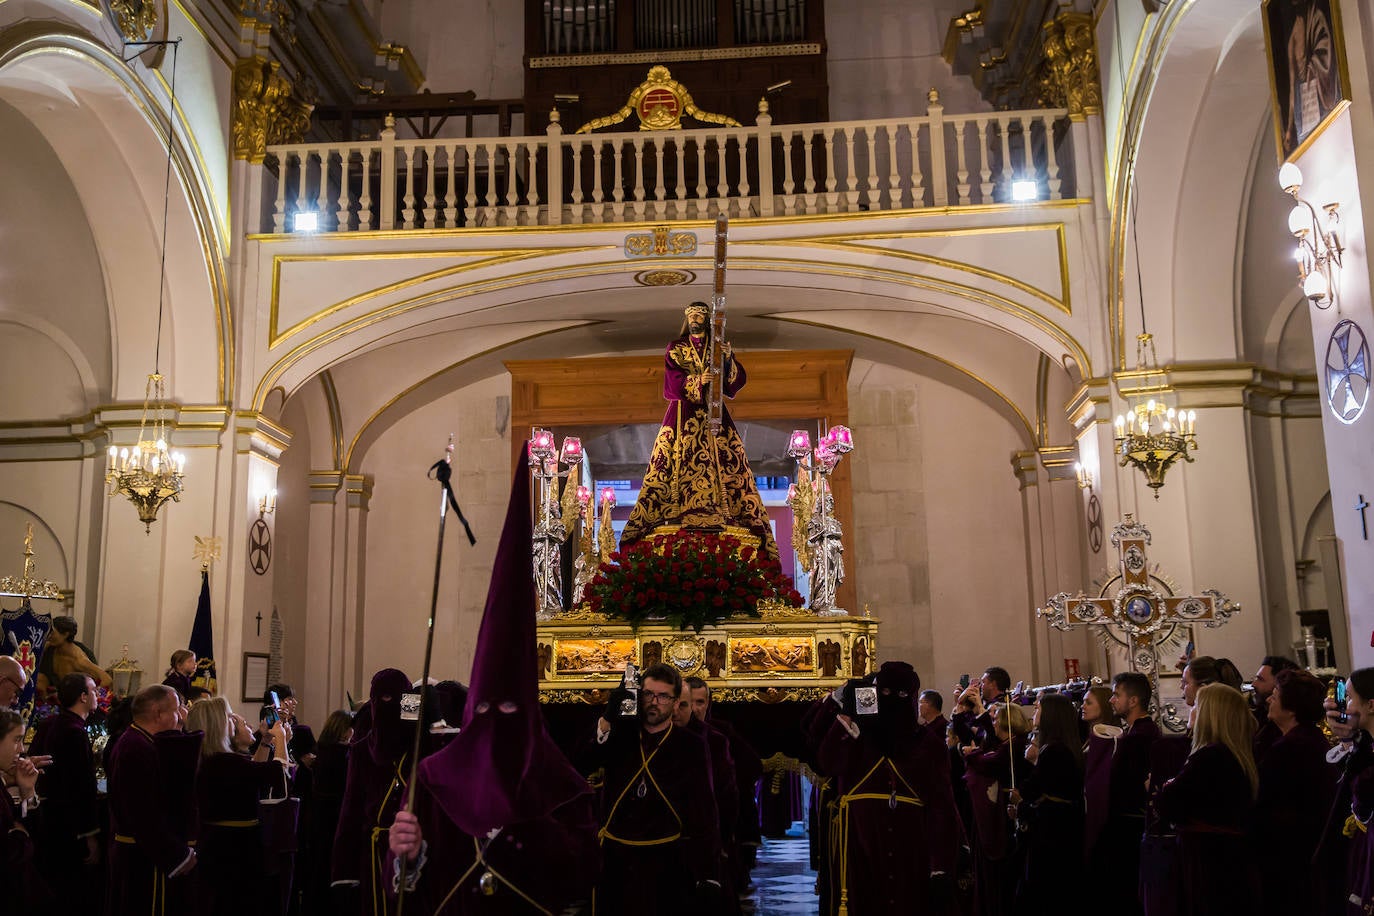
{"x": 756, "y": 170}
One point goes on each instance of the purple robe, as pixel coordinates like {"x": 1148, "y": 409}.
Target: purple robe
{"x": 1360, "y": 866}
{"x": 1333, "y": 855}
{"x": 1159, "y": 867}
{"x": 1211, "y": 804}
{"x": 660, "y": 843}
{"x": 745, "y": 834}
{"x": 551, "y": 860}
{"x": 228, "y": 787}
{"x": 886, "y": 800}
{"x": 70, "y": 809}
{"x": 24, "y": 889}
{"x": 1051, "y": 814}
{"x": 1114, "y": 861}
{"x": 680, "y": 484}
{"x": 1097, "y": 775}
{"x": 996, "y": 862}
{"x": 1296, "y": 788}
{"x": 374, "y": 792}
{"x": 152, "y": 819}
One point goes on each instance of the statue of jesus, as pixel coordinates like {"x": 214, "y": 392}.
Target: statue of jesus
{"x": 696, "y": 478}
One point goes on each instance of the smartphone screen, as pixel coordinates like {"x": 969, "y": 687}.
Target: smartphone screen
{"x": 963, "y": 680}
{"x": 1340, "y": 695}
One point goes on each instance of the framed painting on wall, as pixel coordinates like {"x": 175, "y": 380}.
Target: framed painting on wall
{"x": 1308, "y": 81}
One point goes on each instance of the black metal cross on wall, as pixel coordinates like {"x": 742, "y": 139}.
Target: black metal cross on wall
{"x": 1360, "y": 506}
{"x": 259, "y": 619}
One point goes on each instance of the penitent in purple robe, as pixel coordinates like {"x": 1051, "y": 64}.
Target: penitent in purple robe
{"x": 1114, "y": 860}
{"x": 152, "y": 815}
{"x": 1360, "y": 865}
{"x": 690, "y": 467}
{"x": 896, "y": 815}
{"x": 1210, "y": 804}
{"x": 1051, "y": 814}
{"x": 536, "y": 865}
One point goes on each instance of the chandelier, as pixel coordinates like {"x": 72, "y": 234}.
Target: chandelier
{"x": 1152, "y": 436}
{"x": 149, "y": 475}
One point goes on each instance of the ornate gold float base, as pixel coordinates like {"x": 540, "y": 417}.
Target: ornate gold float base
{"x": 787, "y": 654}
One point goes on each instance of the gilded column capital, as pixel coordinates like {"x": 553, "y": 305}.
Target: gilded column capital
{"x": 267, "y": 108}
{"x": 1072, "y": 77}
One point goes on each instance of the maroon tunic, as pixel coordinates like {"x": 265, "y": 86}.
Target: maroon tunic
{"x": 227, "y": 791}
{"x": 1051, "y": 814}
{"x": 657, "y": 844}
{"x": 885, "y": 802}
{"x": 550, "y": 862}
{"x": 1097, "y": 774}
{"x": 1360, "y": 867}
{"x": 24, "y": 889}
{"x": 152, "y": 816}
{"x": 1114, "y": 861}
{"x": 70, "y": 812}
{"x": 996, "y": 862}
{"x": 1211, "y": 805}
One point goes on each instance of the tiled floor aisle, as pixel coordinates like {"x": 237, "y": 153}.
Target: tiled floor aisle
{"x": 784, "y": 884}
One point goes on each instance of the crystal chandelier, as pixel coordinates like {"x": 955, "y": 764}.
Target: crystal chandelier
{"x": 1153, "y": 436}
{"x": 149, "y": 475}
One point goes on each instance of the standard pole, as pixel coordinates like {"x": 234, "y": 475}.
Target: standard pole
{"x": 443, "y": 472}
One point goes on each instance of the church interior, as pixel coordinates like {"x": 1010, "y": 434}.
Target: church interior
{"x": 971, "y": 233}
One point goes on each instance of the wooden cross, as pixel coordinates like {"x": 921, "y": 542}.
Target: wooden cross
{"x": 1139, "y": 611}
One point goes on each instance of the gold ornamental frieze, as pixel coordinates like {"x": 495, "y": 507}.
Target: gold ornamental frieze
{"x": 659, "y": 103}
{"x": 1071, "y": 77}
{"x": 786, "y": 654}
{"x": 267, "y": 109}
{"x": 137, "y": 19}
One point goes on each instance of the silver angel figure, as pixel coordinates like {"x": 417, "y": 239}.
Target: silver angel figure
{"x": 827, "y": 555}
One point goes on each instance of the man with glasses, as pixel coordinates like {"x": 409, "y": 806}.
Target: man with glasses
{"x": 659, "y": 837}
{"x": 12, "y": 681}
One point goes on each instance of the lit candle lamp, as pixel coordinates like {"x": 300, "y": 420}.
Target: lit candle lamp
{"x": 607, "y": 496}
{"x": 572, "y": 450}
{"x": 584, "y": 495}
{"x": 799, "y": 446}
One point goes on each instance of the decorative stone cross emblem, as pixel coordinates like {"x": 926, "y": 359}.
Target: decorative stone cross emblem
{"x": 1141, "y": 615}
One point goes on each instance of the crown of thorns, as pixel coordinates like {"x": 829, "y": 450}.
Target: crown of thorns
{"x": 696, "y": 308}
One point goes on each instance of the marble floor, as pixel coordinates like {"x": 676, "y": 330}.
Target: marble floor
{"x": 784, "y": 884}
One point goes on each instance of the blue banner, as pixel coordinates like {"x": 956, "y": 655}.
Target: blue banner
{"x": 25, "y": 633}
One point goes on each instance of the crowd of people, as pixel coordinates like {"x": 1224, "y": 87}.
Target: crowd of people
{"x": 1014, "y": 804}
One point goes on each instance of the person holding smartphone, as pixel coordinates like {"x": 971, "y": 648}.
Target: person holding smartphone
{"x": 1343, "y": 858}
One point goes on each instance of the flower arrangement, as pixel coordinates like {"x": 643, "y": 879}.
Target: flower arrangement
{"x": 688, "y": 578}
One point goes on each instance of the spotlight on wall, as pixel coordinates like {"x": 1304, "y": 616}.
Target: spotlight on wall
{"x": 777, "y": 87}
{"x": 1319, "y": 246}
{"x": 305, "y": 221}
{"x": 1024, "y": 190}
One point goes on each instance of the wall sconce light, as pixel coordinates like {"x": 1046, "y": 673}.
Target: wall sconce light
{"x": 1319, "y": 246}
{"x": 267, "y": 503}
{"x": 1085, "y": 477}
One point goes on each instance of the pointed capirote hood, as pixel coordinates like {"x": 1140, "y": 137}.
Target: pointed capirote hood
{"x": 503, "y": 768}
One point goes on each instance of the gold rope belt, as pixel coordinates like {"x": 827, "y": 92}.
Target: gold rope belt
{"x": 246, "y": 823}
{"x": 605, "y": 832}
{"x": 842, "y": 820}
{"x": 378, "y": 896}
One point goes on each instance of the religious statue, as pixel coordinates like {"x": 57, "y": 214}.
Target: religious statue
{"x": 827, "y": 552}
{"x": 697, "y": 478}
